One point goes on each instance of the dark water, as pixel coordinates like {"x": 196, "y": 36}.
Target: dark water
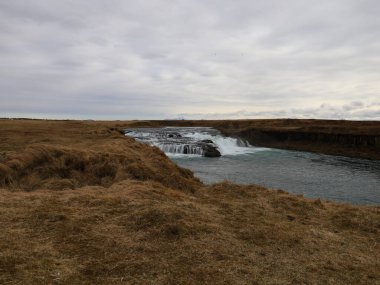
{"x": 316, "y": 176}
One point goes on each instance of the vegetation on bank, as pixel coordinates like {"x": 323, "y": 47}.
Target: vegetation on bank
{"x": 81, "y": 204}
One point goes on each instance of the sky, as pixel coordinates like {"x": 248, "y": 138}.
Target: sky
{"x": 184, "y": 59}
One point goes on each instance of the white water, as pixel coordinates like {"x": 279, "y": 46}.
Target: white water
{"x": 226, "y": 145}
{"x": 186, "y": 144}
{"x": 173, "y": 148}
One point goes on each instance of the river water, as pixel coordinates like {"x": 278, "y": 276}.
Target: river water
{"x": 328, "y": 177}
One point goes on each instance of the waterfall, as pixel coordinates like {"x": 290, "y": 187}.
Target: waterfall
{"x": 190, "y": 140}
{"x": 177, "y": 148}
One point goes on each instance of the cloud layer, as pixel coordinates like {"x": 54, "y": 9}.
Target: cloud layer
{"x": 193, "y": 59}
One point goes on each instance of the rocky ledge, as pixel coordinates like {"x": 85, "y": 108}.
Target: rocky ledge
{"x": 210, "y": 149}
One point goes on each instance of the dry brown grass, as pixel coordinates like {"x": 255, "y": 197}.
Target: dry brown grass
{"x": 133, "y": 217}
{"x": 142, "y": 232}
{"x": 304, "y": 125}
{"x": 45, "y": 166}
{"x": 71, "y": 155}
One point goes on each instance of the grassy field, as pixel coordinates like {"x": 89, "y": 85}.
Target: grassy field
{"x": 82, "y": 204}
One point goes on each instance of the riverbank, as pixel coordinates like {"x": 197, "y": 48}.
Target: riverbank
{"x": 80, "y": 203}
{"x": 357, "y": 139}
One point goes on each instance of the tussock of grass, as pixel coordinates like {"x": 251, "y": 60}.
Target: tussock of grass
{"x": 51, "y": 167}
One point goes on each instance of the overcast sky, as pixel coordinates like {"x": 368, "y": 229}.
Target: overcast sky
{"x": 192, "y": 59}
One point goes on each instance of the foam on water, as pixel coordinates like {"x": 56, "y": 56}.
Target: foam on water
{"x": 226, "y": 145}
{"x": 189, "y": 136}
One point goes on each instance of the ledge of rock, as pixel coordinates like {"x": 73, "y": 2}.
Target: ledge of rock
{"x": 210, "y": 150}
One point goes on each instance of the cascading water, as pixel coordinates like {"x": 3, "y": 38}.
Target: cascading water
{"x": 198, "y": 141}
{"x": 180, "y": 148}
{"x": 226, "y": 145}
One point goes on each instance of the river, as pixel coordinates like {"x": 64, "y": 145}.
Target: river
{"x": 313, "y": 175}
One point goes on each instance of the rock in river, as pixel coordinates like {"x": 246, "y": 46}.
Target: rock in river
{"x": 210, "y": 150}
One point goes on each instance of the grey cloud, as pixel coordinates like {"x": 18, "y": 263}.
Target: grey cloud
{"x": 353, "y": 106}
{"x": 354, "y": 110}
{"x": 156, "y": 59}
